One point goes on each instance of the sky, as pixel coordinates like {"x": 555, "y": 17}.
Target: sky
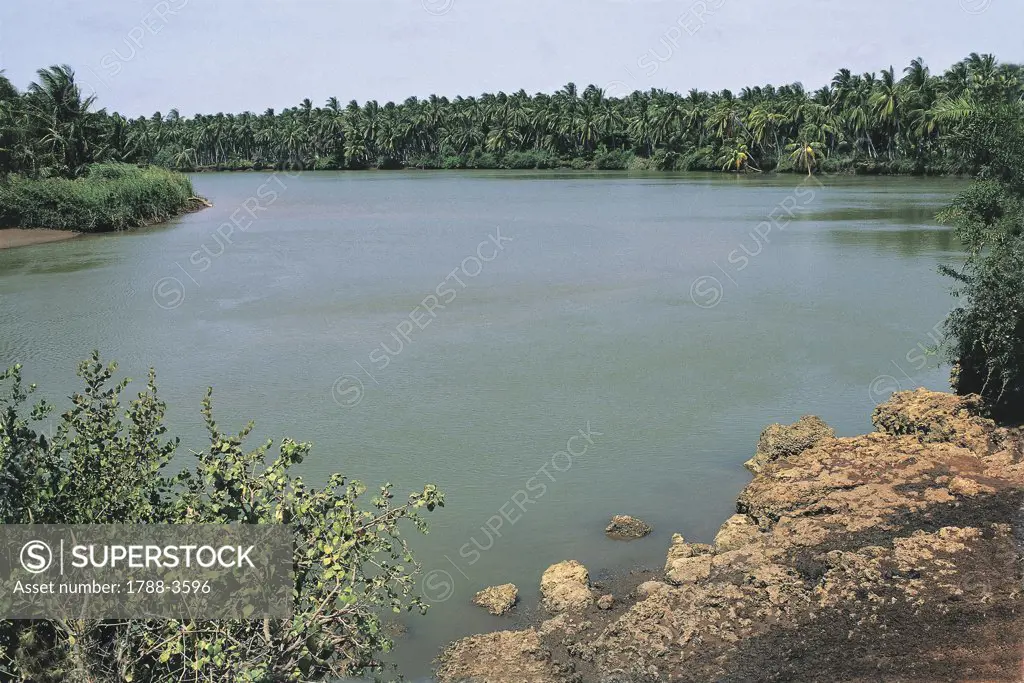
{"x": 143, "y": 56}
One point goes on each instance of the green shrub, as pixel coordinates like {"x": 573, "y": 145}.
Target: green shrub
{"x": 986, "y": 330}
{"x": 478, "y": 159}
{"x": 546, "y": 159}
{"x": 109, "y": 463}
{"x": 639, "y": 163}
{"x": 667, "y": 160}
{"x": 614, "y": 159}
{"x": 519, "y": 160}
{"x": 110, "y": 197}
{"x": 529, "y": 159}
{"x": 453, "y": 161}
{"x": 700, "y": 159}
{"x": 424, "y": 161}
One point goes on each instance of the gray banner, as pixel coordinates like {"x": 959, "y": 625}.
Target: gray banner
{"x": 202, "y": 571}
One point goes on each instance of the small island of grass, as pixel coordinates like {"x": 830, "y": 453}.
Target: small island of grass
{"x": 58, "y": 170}
{"x": 108, "y": 197}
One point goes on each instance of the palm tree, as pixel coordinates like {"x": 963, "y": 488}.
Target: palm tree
{"x": 764, "y": 125}
{"x": 805, "y": 154}
{"x": 737, "y": 158}
{"x": 887, "y": 107}
{"x": 68, "y": 129}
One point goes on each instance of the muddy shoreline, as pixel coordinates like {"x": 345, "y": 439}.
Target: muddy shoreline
{"x": 11, "y": 238}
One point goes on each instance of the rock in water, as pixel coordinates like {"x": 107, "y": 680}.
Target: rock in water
{"x": 497, "y": 599}
{"x": 624, "y": 527}
{"x": 565, "y": 587}
{"x": 781, "y": 441}
{"x": 395, "y": 629}
{"x": 606, "y": 602}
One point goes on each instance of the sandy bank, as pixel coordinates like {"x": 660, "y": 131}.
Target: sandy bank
{"x": 23, "y": 237}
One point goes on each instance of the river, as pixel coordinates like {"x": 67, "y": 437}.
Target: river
{"x": 549, "y": 349}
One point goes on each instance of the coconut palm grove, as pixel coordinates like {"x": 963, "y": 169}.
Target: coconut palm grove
{"x": 886, "y": 122}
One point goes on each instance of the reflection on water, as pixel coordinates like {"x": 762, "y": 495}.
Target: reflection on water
{"x": 43, "y": 259}
{"x": 899, "y": 214}
{"x": 902, "y": 242}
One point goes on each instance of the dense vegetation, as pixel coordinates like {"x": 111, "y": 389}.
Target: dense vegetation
{"x": 50, "y": 141}
{"x": 870, "y": 123}
{"x": 108, "y": 463}
{"x": 107, "y": 197}
{"x": 987, "y": 328}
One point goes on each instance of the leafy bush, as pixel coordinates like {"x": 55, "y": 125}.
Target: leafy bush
{"x": 424, "y": 161}
{"x": 478, "y": 159}
{"x": 519, "y": 160}
{"x": 700, "y": 159}
{"x": 666, "y": 160}
{"x": 107, "y": 463}
{"x": 615, "y": 159}
{"x": 639, "y": 163}
{"x": 453, "y": 161}
{"x": 110, "y": 197}
{"x": 987, "y": 328}
{"x": 530, "y": 159}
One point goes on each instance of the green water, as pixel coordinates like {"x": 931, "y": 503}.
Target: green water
{"x": 615, "y": 301}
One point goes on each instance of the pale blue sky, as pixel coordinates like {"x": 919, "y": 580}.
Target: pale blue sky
{"x": 142, "y": 56}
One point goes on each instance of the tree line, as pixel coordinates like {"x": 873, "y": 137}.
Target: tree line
{"x": 886, "y": 122}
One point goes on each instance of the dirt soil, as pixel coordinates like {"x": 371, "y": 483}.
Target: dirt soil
{"x": 23, "y": 237}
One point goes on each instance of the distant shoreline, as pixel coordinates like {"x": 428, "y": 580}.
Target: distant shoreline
{"x": 928, "y": 173}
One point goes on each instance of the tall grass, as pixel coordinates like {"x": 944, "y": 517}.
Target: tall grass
{"x": 109, "y": 197}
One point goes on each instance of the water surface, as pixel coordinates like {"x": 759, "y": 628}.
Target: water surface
{"x": 619, "y": 303}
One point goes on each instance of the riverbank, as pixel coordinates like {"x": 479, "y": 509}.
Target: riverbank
{"x": 893, "y": 555}
{"x": 109, "y": 197}
{"x": 611, "y": 161}
{"x": 24, "y": 237}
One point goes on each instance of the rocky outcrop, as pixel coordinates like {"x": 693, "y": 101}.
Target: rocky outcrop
{"x": 687, "y": 562}
{"x": 502, "y": 657}
{"x": 564, "y": 625}
{"x": 626, "y": 528}
{"x": 936, "y": 417}
{"x": 649, "y": 588}
{"x": 497, "y": 599}
{"x": 781, "y": 441}
{"x": 738, "y": 531}
{"x": 565, "y": 587}
{"x": 894, "y": 555}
